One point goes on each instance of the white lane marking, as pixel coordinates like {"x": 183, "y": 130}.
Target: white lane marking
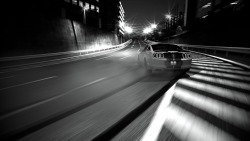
{"x": 156, "y": 124}
{"x": 125, "y": 57}
{"x": 104, "y": 57}
{"x": 50, "y": 99}
{"x": 27, "y": 83}
{"x": 7, "y": 77}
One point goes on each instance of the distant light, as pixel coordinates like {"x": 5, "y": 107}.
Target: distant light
{"x": 153, "y": 26}
{"x": 234, "y": 3}
{"x": 168, "y": 16}
{"x": 207, "y": 5}
{"x": 86, "y": 6}
{"x": 204, "y": 16}
{"x": 147, "y": 30}
{"x": 128, "y": 29}
{"x": 121, "y": 24}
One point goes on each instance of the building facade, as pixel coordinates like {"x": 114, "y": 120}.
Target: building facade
{"x": 198, "y": 9}
{"x": 103, "y": 14}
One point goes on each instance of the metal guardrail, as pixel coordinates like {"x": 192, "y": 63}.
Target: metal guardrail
{"x": 243, "y": 50}
{"x": 78, "y": 52}
{"x": 226, "y": 53}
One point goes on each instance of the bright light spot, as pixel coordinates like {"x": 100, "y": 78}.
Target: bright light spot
{"x": 234, "y": 3}
{"x": 147, "y": 30}
{"x": 207, "y": 5}
{"x": 204, "y": 16}
{"x": 121, "y": 24}
{"x": 153, "y": 25}
{"x": 189, "y": 127}
{"x": 128, "y": 29}
{"x": 168, "y": 16}
{"x": 221, "y": 110}
{"x": 87, "y": 6}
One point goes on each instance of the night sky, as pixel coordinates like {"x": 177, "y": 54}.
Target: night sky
{"x": 139, "y": 13}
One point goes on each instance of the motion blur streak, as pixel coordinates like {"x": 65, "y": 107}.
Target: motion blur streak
{"x": 229, "y": 76}
{"x": 155, "y": 126}
{"x": 219, "y": 66}
{"x": 189, "y": 127}
{"x": 27, "y": 83}
{"x": 215, "y": 90}
{"x": 227, "y": 82}
{"x": 220, "y": 69}
{"x": 226, "y": 112}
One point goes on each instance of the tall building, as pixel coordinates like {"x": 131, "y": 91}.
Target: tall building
{"x": 104, "y": 14}
{"x": 86, "y": 11}
{"x": 197, "y": 9}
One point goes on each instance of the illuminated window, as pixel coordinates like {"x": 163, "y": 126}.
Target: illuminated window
{"x": 97, "y": 9}
{"x": 86, "y": 6}
{"x": 74, "y": 2}
{"x": 97, "y": 0}
{"x": 92, "y": 7}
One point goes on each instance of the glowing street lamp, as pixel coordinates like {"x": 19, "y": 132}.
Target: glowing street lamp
{"x": 128, "y": 29}
{"x": 147, "y": 30}
{"x": 168, "y": 16}
{"x": 153, "y": 26}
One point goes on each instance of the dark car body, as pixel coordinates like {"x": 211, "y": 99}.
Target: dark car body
{"x": 161, "y": 56}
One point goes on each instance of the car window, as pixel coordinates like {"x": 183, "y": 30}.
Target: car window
{"x": 166, "y": 47}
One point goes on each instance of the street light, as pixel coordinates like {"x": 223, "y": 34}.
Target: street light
{"x": 147, "y": 30}
{"x": 168, "y": 16}
{"x": 128, "y": 29}
{"x": 153, "y": 26}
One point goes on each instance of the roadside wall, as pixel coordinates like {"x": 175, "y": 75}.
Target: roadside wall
{"x": 37, "y": 27}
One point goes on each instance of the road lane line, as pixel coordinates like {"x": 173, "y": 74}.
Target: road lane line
{"x": 49, "y": 99}
{"x": 157, "y": 122}
{"x": 104, "y": 57}
{"x": 27, "y": 83}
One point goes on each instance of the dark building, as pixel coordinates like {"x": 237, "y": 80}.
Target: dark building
{"x": 112, "y": 15}
{"x": 104, "y": 14}
{"x": 198, "y": 9}
{"x": 46, "y": 26}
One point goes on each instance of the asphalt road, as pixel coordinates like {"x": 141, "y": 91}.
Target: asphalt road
{"x": 78, "y": 99}
{"x": 109, "y": 97}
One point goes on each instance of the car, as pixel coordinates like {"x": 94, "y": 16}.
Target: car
{"x": 164, "y": 56}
